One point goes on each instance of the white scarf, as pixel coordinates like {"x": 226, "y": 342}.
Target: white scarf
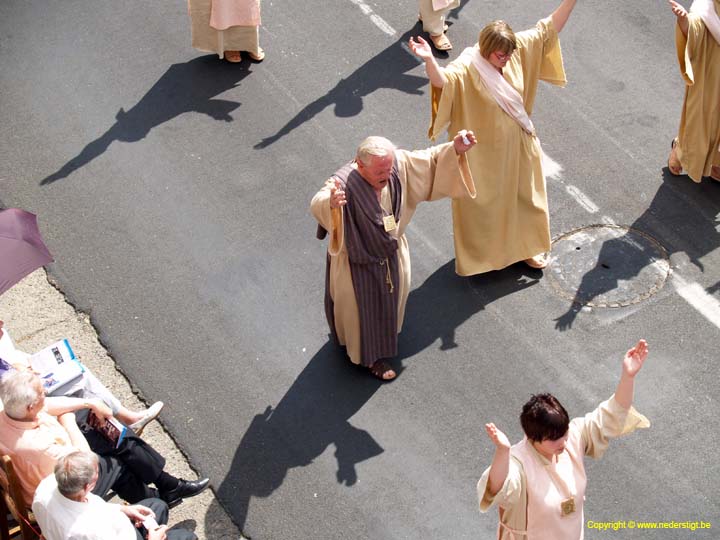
{"x": 502, "y": 91}
{"x": 705, "y": 9}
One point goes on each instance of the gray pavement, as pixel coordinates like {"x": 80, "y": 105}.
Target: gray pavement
{"x": 173, "y": 191}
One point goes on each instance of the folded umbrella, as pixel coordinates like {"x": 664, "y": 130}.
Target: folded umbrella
{"x": 22, "y": 249}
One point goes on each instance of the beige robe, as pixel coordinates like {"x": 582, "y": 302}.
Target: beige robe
{"x": 206, "y": 38}
{"x": 587, "y": 436}
{"x": 425, "y": 175}
{"x": 508, "y": 221}
{"x": 699, "y": 132}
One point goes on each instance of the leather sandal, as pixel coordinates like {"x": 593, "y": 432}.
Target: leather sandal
{"x": 383, "y": 371}
{"x": 673, "y": 164}
{"x": 538, "y": 262}
{"x": 441, "y": 42}
{"x": 233, "y": 56}
{"x": 257, "y": 57}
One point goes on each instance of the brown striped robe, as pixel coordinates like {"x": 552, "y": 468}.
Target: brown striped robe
{"x": 423, "y": 175}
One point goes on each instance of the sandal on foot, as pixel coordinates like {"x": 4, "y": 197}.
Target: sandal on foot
{"x": 257, "y": 57}
{"x": 538, "y": 262}
{"x": 441, "y": 42}
{"x": 383, "y": 371}
{"x": 673, "y": 163}
{"x": 233, "y": 56}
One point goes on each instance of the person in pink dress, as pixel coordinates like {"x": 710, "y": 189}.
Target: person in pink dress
{"x": 539, "y": 483}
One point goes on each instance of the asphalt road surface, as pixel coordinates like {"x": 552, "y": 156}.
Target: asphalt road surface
{"x": 173, "y": 191}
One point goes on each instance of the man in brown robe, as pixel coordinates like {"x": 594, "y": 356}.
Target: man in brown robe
{"x": 365, "y": 207}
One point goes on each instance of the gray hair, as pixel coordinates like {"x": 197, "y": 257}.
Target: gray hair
{"x": 19, "y": 392}
{"x": 374, "y": 147}
{"x": 75, "y": 471}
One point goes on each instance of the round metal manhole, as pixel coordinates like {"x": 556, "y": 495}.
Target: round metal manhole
{"x": 607, "y": 266}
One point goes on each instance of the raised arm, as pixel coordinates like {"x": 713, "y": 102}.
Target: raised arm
{"x": 501, "y": 460}
{"x": 682, "y": 16}
{"x": 562, "y": 14}
{"x": 435, "y": 73}
{"x": 632, "y": 363}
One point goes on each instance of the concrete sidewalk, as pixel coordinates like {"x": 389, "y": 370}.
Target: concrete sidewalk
{"x": 37, "y": 314}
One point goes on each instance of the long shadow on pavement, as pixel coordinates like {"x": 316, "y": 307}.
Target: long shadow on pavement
{"x": 682, "y": 217}
{"x": 315, "y": 412}
{"x": 187, "y": 87}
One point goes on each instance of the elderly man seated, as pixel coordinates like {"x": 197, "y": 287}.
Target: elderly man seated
{"x": 35, "y": 437}
{"x": 87, "y": 386}
{"x": 66, "y": 508}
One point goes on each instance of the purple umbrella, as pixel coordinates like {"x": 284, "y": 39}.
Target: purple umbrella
{"x": 21, "y": 247}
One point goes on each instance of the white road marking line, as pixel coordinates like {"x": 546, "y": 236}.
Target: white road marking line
{"x": 374, "y": 17}
{"x": 695, "y": 295}
{"x": 582, "y": 199}
{"x": 551, "y": 168}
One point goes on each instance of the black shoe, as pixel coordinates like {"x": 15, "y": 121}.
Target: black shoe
{"x": 184, "y": 489}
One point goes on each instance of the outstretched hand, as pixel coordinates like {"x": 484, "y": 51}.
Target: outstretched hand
{"x": 459, "y": 141}
{"x": 337, "y": 195}
{"x": 420, "y": 48}
{"x": 635, "y": 358}
{"x": 498, "y": 438}
{"x": 679, "y": 11}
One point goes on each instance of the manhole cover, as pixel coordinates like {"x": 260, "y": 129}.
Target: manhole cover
{"x": 607, "y": 266}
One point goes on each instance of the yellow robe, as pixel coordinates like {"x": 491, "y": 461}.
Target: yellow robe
{"x": 588, "y": 436}
{"x": 699, "y": 133}
{"x": 425, "y": 175}
{"x": 508, "y": 221}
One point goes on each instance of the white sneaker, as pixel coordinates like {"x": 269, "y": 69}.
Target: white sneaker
{"x": 150, "y": 415}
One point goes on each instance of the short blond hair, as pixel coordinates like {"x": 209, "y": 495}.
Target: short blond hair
{"x": 374, "y": 146}
{"x": 497, "y": 36}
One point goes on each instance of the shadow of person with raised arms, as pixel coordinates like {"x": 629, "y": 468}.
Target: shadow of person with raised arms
{"x": 183, "y": 88}
{"x": 316, "y": 410}
{"x": 682, "y": 217}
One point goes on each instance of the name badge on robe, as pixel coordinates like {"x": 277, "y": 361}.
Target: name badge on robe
{"x": 389, "y": 223}
{"x": 567, "y": 506}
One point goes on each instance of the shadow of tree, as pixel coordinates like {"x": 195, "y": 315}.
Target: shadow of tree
{"x": 683, "y": 217}
{"x": 315, "y": 412}
{"x": 187, "y": 87}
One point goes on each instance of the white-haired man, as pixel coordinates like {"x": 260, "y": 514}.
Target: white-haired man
{"x": 35, "y": 437}
{"x": 366, "y": 207}
{"x": 67, "y": 509}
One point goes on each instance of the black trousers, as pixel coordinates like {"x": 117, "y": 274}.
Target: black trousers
{"x": 127, "y": 469}
{"x": 160, "y": 508}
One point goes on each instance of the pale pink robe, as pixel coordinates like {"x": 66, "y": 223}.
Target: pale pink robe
{"x": 529, "y": 500}
{"x": 225, "y": 25}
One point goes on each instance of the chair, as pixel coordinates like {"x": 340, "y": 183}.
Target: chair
{"x": 11, "y": 501}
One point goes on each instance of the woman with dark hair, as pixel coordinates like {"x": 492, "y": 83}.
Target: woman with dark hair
{"x": 539, "y": 483}
{"x": 490, "y": 88}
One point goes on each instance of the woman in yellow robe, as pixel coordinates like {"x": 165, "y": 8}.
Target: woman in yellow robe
{"x": 508, "y": 220}
{"x": 696, "y": 150}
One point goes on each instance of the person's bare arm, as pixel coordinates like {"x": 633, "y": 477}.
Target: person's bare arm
{"x": 57, "y": 405}
{"x": 632, "y": 363}
{"x": 562, "y": 14}
{"x": 682, "y": 16}
{"x": 501, "y": 460}
{"x": 435, "y": 73}
{"x": 77, "y": 439}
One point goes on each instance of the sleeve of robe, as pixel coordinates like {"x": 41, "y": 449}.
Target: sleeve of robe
{"x": 331, "y": 219}
{"x": 511, "y": 499}
{"x": 689, "y": 48}
{"x": 435, "y": 173}
{"x": 608, "y": 421}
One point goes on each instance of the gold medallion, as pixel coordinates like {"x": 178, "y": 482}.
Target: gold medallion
{"x": 389, "y": 223}
{"x": 567, "y": 506}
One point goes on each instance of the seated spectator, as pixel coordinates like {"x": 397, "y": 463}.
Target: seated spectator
{"x": 35, "y": 437}
{"x": 66, "y": 508}
{"x": 87, "y": 386}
